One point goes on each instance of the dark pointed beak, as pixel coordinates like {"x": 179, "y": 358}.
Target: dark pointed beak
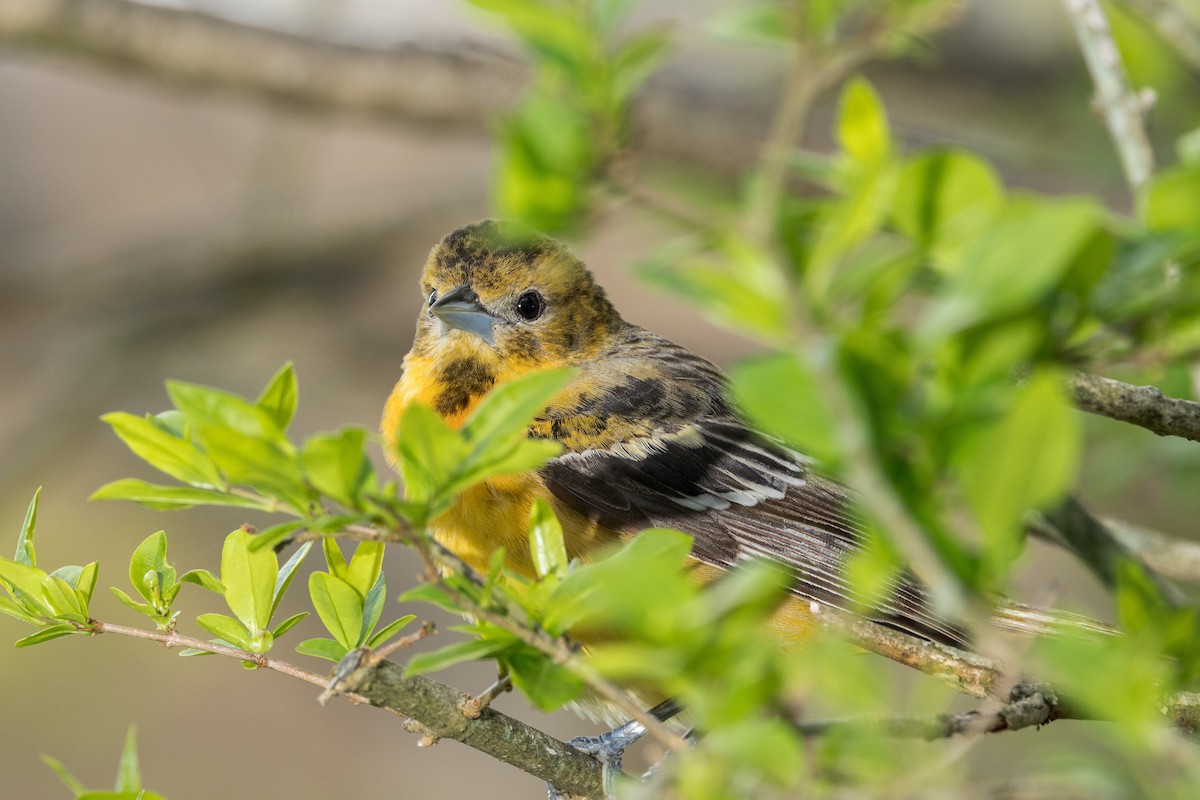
{"x": 461, "y": 309}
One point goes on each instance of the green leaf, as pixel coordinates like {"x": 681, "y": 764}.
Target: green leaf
{"x": 944, "y": 200}
{"x": 243, "y": 440}
{"x": 141, "y": 608}
{"x": 1014, "y": 263}
{"x": 67, "y": 778}
{"x": 339, "y": 606}
{"x": 1026, "y": 459}
{"x": 204, "y": 579}
{"x": 249, "y": 580}
{"x": 286, "y": 573}
{"x": 16, "y": 611}
{"x": 327, "y": 649}
{"x": 1171, "y": 200}
{"x": 278, "y": 399}
{"x": 334, "y": 559}
{"x": 25, "y": 584}
{"x": 548, "y": 686}
{"x": 150, "y": 559}
{"x": 433, "y": 594}
{"x": 781, "y": 396}
{"x": 636, "y": 61}
{"x": 429, "y": 451}
{"x": 272, "y": 537}
{"x": 373, "y": 607}
{"x": 862, "y": 128}
{"x": 225, "y": 628}
{"x": 62, "y": 600}
{"x": 337, "y": 466}
{"x": 505, "y": 413}
{"x": 471, "y": 650}
{"x": 288, "y": 624}
{"x": 365, "y": 565}
{"x": 25, "y": 552}
{"x": 172, "y": 497}
{"x": 546, "y": 540}
{"x": 85, "y": 583}
{"x": 129, "y": 774}
{"x": 389, "y": 630}
{"x": 46, "y": 634}
{"x": 165, "y": 451}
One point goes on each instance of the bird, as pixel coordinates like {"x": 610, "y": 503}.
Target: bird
{"x": 650, "y": 436}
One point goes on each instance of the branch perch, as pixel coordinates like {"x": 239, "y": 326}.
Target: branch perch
{"x": 1145, "y": 406}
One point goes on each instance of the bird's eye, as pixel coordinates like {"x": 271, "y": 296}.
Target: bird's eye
{"x": 432, "y": 300}
{"x": 530, "y": 306}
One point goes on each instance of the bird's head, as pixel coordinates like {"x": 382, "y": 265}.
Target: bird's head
{"x": 509, "y": 300}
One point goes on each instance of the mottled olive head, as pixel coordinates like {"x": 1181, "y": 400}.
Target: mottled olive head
{"x": 499, "y": 291}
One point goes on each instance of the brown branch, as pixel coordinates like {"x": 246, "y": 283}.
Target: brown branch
{"x": 190, "y": 49}
{"x": 437, "y": 708}
{"x": 1032, "y": 710}
{"x": 1145, "y": 406}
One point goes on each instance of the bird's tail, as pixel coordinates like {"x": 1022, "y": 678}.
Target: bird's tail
{"x": 1031, "y": 621}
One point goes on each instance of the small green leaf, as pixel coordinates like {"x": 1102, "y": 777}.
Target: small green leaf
{"x": 46, "y": 634}
{"x": 505, "y": 413}
{"x": 288, "y": 624}
{"x": 67, "y": 778}
{"x": 334, "y": 560}
{"x": 249, "y": 580}
{"x": 756, "y": 23}
{"x": 226, "y": 628}
{"x": 471, "y": 650}
{"x": 204, "y": 579}
{"x": 549, "y": 686}
{"x": 286, "y": 573}
{"x": 129, "y": 774}
{"x": 279, "y": 397}
{"x": 16, "y": 611}
{"x": 944, "y": 200}
{"x": 62, "y": 600}
{"x": 1172, "y": 199}
{"x": 339, "y": 606}
{"x": 389, "y": 630}
{"x": 25, "y": 552}
{"x": 272, "y": 537}
{"x": 862, "y": 130}
{"x": 85, "y": 583}
{"x": 164, "y": 451}
{"x": 373, "y": 607}
{"x": 337, "y": 466}
{"x": 25, "y": 584}
{"x": 1027, "y": 459}
{"x": 365, "y": 566}
{"x": 327, "y": 649}
{"x": 150, "y": 558}
{"x": 799, "y": 415}
{"x": 172, "y": 497}
{"x": 433, "y": 594}
{"x": 141, "y": 608}
{"x": 546, "y": 540}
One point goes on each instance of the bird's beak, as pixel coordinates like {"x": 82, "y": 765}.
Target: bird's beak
{"x": 461, "y": 309}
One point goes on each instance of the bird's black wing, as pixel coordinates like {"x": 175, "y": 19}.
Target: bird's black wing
{"x": 740, "y": 496}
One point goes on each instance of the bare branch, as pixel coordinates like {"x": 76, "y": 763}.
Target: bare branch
{"x": 1174, "y": 558}
{"x": 439, "y": 710}
{"x": 1123, "y": 110}
{"x": 1032, "y": 710}
{"x": 190, "y": 49}
{"x": 1145, "y": 406}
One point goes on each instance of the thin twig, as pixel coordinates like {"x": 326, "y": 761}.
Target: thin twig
{"x": 479, "y": 702}
{"x": 1145, "y": 406}
{"x": 1173, "y": 558}
{"x": 1123, "y": 110}
{"x": 437, "y": 709}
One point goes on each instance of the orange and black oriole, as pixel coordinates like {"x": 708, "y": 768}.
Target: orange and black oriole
{"x": 650, "y": 436}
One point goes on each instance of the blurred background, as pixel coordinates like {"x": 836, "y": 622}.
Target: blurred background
{"x": 151, "y": 229}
